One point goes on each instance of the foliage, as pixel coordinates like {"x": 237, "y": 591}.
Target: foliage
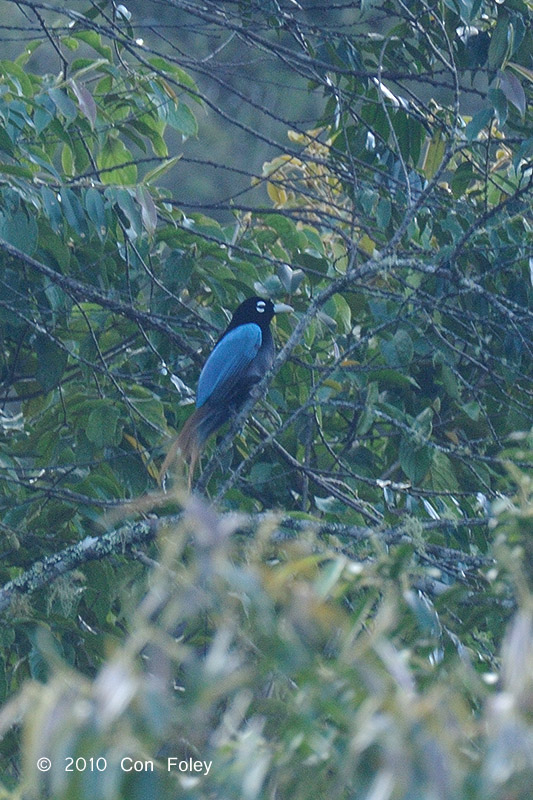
{"x": 284, "y": 669}
{"x": 353, "y": 637}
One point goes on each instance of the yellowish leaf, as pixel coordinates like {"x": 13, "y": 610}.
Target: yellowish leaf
{"x": 138, "y": 447}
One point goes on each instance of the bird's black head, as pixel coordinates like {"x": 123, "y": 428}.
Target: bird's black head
{"x": 255, "y": 309}
{"x": 258, "y": 310}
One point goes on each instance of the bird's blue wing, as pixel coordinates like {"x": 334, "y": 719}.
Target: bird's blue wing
{"x": 228, "y": 361}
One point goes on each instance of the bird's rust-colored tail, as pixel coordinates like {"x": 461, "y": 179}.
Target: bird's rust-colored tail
{"x": 187, "y": 446}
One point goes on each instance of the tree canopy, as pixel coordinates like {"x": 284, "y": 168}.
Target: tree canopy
{"x": 326, "y": 613}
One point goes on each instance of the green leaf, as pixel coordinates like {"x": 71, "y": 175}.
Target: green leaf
{"x": 58, "y": 251}
{"x": 94, "y": 40}
{"x": 410, "y": 134}
{"x": 116, "y": 163}
{"x": 443, "y": 477}
{"x": 51, "y": 362}
{"x": 472, "y": 410}
{"x": 182, "y": 119}
{"x": 434, "y": 155}
{"x": 39, "y": 667}
{"x": 398, "y": 352}
{"x": 3, "y": 681}
{"x": 290, "y": 278}
{"x": 179, "y": 268}
{"x": 152, "y": 129}
{"x": 44, "y": 113}
{"x": 425, "y": 614}
{"x": 67, "y": 160}
{"x": 5, "y": 142}
{"x": 29, "y": 50}
{"x": 70, "y": 43}
{"x": 161, "y": 169}
{"x": 393, "y": 377}
{"x": 20, "y": 230}
{"x": 423, "y": 424}
{"x": 365, "y": 421}
{"x": 338, "y": 308}
{"x": 261, "y": 473}
{"x": 85, "y": 100}
{"x": 18, "y": 78}
{"x": 383, "y": 212}
{"x": 461, "y": 7}
{"x": 414, "y": 460}
{"x": 64, "y": 104}
{"x": 499, "y": 103}
{"x": 449, "y": 381}
{"x": 181, "y": 77}
{"x": 286, "y": 230}
{"x": 477, "y": 123}
{"x": 463, "y": 176}
{"x": 148, "y": 209}
{"x": 513, "y": 91}
{"x": 499, "y": 40}
{"x": 82, "y": 66}
{"x": 150, "y": 410}
{"x": 524, "y": 71}
{"x": 52, "y": 208}
{"x": 102, "y": 427}
{"x": 95, "y": 208}
{"x": 128, "y": 207}
{"x": 38, "y": 156}
{"x": 73, "y": 211}
{"x": 15, "y": 169}
{"x": 329, "y": 505}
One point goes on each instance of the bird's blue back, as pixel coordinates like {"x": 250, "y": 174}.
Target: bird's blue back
{"x": 227, "y": 365}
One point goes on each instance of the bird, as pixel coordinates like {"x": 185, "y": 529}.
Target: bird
{"x": 240, "y": 358}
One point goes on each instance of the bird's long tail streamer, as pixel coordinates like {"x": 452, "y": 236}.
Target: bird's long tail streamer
{"x": 187, "y": 445}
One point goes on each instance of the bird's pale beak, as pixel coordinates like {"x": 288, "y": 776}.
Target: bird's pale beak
{"x": 281, "y": 308}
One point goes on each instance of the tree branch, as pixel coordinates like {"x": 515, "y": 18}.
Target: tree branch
{"x": 91, "y": 548}
{"x": 83, "y": 292}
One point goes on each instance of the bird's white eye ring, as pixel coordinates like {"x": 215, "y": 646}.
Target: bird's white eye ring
{"x": 260, "y": 306}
